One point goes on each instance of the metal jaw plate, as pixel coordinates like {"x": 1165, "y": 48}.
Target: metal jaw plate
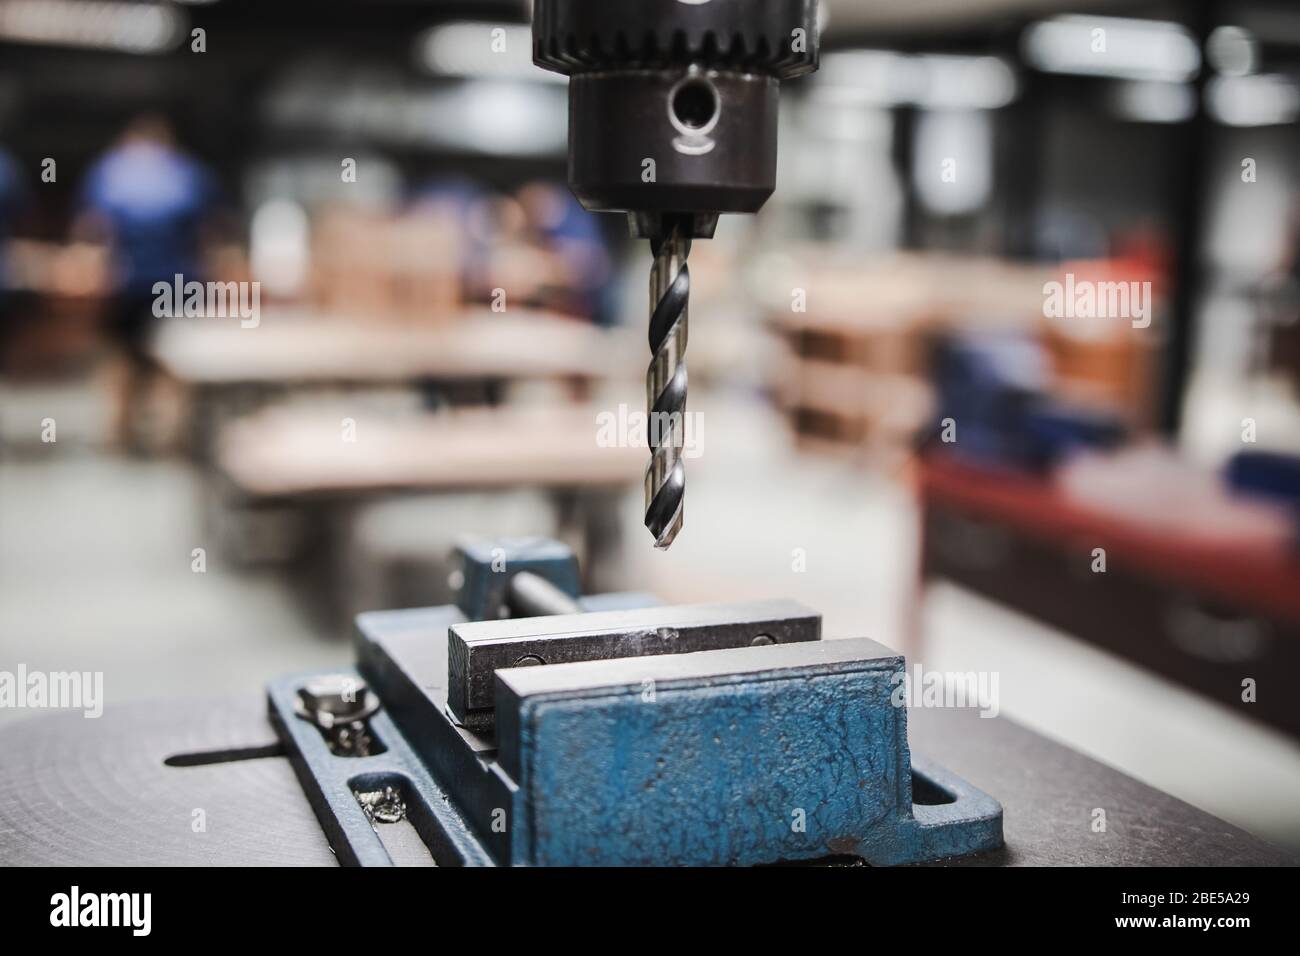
{"x": 476, "y": 651}
{"x": 748, "y": 753}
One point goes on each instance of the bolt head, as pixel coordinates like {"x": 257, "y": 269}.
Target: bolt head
{"x": 339, "y": 695}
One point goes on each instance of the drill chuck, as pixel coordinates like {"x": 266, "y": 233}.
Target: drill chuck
{"x": 673, "y": 103}
{"x": 693, "y": 140}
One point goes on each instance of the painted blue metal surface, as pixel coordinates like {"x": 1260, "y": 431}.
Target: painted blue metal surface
{"x": 487, "y": 564}
{"x": 798, "y": 754}
{"x": 748, "y": 755}
{"x": 331, "y": 783}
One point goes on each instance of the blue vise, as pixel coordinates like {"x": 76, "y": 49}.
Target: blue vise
{"x": 629, "y": 733}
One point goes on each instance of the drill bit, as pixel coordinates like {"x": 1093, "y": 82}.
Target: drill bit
{"x": 665, "y": 476}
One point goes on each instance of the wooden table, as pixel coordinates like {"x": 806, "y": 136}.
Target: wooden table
{"x": 295, "y": 453}
{"x": 1200, "y": 612}
{"x": 300, "y": 459}
{"x": 296, "y": 347}
{"x": 231, "y": 371}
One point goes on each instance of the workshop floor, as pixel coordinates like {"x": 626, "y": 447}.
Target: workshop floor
{"x": 95, "y": 568}
{"x": 95, "y": 574}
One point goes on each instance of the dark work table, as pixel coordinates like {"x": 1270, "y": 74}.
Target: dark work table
{"x": 97, "y": 792}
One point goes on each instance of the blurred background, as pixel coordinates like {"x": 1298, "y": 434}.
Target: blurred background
{"x": 925, "y": 407}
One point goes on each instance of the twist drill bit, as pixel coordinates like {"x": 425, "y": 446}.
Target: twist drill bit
{"x": 665, "y": 475}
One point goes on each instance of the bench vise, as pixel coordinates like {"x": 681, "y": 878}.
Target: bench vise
{"x": 612, "y": 730}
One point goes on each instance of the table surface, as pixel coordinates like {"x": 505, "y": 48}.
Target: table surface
{"x": 97, "y": 792}
{"x": 1261, "y": 578}
{"x": 299, "y": 347}
{"x": 296, "y": 452}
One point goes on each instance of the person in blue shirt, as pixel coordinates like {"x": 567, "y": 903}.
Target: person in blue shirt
{"x": 559, "y": 223}
{"x": 149, "y": 202}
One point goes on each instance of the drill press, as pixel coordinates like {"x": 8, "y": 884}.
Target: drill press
{"x": 672, "y": 120}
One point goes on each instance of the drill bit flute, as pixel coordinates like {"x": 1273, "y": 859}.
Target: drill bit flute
{"x": 665, "y": 479}
{"x": 672, "y": 119}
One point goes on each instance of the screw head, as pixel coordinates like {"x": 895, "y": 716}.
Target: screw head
{"x": 339, "y": 697}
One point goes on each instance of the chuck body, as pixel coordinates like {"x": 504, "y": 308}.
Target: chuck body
{"x": 673, "y": 103}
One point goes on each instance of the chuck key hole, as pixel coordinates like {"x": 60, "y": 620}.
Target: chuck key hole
{"x": 695, "y": 104}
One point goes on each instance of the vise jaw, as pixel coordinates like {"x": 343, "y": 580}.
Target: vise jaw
{"x": 629, "y": 734}
{"x": 750, "y": 755}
